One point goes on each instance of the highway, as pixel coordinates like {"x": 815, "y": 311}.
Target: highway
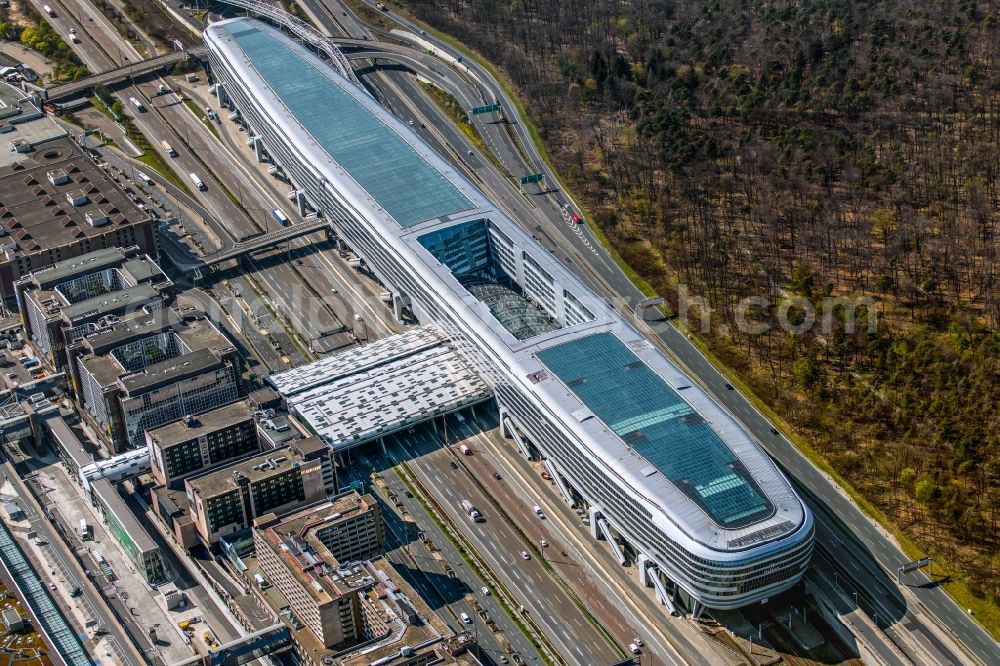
{"x": 857, "y": 534}
{"x": 437, "y": 570}
{"x": 550, "y": 606}
{"x": 543, "y": 216}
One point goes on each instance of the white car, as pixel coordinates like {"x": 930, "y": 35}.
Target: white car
{"x": 545, "y": 544}
{"x": 637, "y": 641}
{"x": 486, "y": 591}
{"x": 524, "y": 555}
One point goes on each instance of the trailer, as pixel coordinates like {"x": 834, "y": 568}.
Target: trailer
{"x": 466, "y": 451}
{"x": 168, "y": 149}
{"x": 198, "y": 182}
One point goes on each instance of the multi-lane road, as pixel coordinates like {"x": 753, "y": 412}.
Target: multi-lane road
{"x": 844, "y": 526}
{"x": 909, "y": 610}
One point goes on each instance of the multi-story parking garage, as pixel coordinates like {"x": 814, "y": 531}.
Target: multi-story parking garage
{"x": 655, "y": 458}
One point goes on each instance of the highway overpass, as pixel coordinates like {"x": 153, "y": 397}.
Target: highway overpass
{"x": 185, "y": 261}
{"x": 81, "y": 87}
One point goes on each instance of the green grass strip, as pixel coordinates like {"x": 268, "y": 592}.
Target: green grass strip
{"x": 451, "y": 107}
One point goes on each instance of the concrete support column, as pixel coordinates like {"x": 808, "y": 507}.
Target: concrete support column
{"x": 257, "y": 150}
{"x": 300, "y": 200}
{"x": 595, "y": 531}
{"x": 221, "y": 94}
{"x": 397, "y": 307}
{"x": 642, "y": 561}
{"x": 697, "y": 608}
{"x": 381, "y": 440}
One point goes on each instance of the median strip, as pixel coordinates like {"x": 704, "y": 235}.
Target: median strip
{"x": 527, "y": 626}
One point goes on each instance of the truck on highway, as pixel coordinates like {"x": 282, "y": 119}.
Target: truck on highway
{"x": 381, "y": 7}
{"x": 280, "y": 217}
{"x": 168, "y": 149}
{"x": 198, "y": 182}
{"x": 84, "y": 529}
{"x": 73, "y": 37}
{"x": 137, "y": 104}
{"x": 466, "y": 451}
{"x": 472, "y": 511}
{"x": 48, "y": 10}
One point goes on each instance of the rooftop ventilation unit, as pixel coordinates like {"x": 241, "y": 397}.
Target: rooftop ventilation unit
{"x": 57, "y": 177}
{"x": 77, "y": 198}
{"x": 96, "y": 218}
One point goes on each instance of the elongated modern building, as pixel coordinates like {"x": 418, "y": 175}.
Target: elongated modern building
{"x": 653, "y": 455}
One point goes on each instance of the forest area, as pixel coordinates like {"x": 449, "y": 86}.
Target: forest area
{"x": 808, "y": 148}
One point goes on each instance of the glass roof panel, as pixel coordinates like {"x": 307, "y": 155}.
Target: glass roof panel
{"x": 408, "y": 187}
{"x": 654, "y": 421}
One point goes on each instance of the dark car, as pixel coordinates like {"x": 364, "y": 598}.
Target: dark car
{"x": 454, "y": 465}
{"x": 729, "y": 386}
{"x": 496, "y": 475}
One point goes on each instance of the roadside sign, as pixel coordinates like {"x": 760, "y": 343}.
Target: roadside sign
{"x": 914, "y": 565}
{"x": 489, "y": 108}
{"x": 533, "y": 178}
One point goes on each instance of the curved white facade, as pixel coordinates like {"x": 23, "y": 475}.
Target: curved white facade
{"x": 676, "y": 476}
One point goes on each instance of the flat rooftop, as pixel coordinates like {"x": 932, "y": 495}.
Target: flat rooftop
{"x": 404, "y": 379}
{"x": 651, "y": 417}
{"x": 181, "y": 430}
{"x": 23, "y": 122}
{"x": 85, "y": 264}
{"x": 171, "y": 370}
{"x": 35, "y": 211}
{"x": 222, "y": 480}
{"x": 115, "y": 301}
{"x": 115, "y": 503}
{"x": 350, "y": 127}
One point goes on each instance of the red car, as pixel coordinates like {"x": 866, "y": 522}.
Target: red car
{"x": 576, "y": 218}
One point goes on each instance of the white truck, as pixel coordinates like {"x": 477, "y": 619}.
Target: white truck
{"x": 137, "y": 104}
{"x": 198, "y": 182}
{"x": 168, "y": 149}
{"x": 84, "y": 529}
{"x": 472, "y": 511}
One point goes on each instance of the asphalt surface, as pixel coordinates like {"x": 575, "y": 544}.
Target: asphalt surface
{"x": 45, "y": 525}
{"x": 543, "y": 216}
{"x": 442, "y": 577}
{"x": 855, "y": 532}
{"x": 550, "y": 606}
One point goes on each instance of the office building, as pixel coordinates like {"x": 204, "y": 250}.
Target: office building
{"x": 140, "y": 372}
{"x": 194, "y": 443}
{"x": 227, "y": 500}
{"x": 297, "y": 553}
{"x": 56, "y": 202}
{"x": 73, "y": 298}
{"x": 651, "y": 454}
{"x": 126, "y": 529}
